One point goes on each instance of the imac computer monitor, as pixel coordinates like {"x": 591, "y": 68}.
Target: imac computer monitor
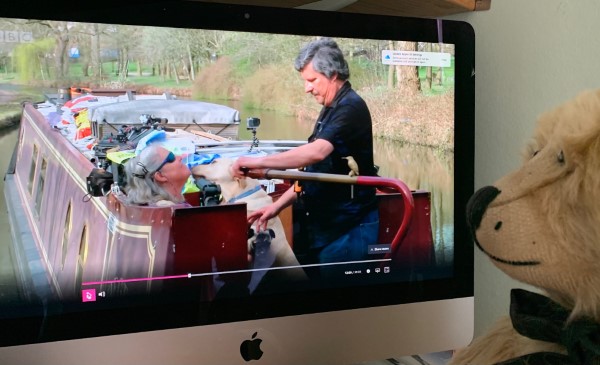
{"x": 89, "y": 278}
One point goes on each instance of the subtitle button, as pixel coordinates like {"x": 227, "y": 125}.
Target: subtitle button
{"x": 379, "y": 249}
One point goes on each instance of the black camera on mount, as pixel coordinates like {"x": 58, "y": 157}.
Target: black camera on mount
{"x": 99, "y": 182}
{"x": 252, "y": 123}
{"x": 211, "y": 192}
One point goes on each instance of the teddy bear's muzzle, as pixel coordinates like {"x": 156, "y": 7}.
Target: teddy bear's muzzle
{"x": 477, "y": 205}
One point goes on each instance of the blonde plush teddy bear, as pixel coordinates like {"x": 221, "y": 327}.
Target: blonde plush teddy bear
{"x": 541, "y": 225}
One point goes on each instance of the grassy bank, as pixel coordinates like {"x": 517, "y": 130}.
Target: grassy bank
{"x": 11, "y": 105}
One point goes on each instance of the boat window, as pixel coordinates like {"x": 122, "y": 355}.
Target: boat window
{"x": 40, "y": 186}
{"x": 21, "y": 139}
{"x": 34, "y": 157}
{"x": 82, "y": 258}
{"x": 66, "y": 234}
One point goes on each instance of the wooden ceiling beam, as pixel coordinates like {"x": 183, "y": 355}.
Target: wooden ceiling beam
{"x": 413, "y": 8}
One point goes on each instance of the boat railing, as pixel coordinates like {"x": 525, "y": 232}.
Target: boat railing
{"x": 275, "y": 142}
{"x": 375, "y": 181}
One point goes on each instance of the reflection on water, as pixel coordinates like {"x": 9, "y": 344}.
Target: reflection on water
{"x": 421, "y": 168}
{"x": 274, "y": 125}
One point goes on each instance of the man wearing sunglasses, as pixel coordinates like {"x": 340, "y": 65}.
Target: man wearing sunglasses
{"x": 156, "y": 177}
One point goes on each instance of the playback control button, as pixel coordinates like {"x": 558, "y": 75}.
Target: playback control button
{"x": 379, "y": 249}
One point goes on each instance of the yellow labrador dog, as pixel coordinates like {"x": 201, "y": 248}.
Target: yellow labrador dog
{"x": 247, "y": 190}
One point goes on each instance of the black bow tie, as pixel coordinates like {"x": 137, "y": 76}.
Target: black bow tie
{"x": 539, "y": 318}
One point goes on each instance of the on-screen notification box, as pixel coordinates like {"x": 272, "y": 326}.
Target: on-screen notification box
{"x": 414, "y": 58}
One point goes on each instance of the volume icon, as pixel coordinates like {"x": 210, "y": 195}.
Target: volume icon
{"x": 102, "y": 294}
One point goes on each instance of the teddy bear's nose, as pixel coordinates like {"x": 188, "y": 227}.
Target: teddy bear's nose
{"x": 477, "y": 205}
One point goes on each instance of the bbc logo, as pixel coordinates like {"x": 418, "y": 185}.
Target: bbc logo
{"x": 15, "y": 36}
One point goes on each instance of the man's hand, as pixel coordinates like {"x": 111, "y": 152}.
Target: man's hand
{"x": 240, "y": 167}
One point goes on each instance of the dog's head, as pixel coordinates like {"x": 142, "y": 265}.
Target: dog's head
{"x": 219, "y": 172}
{"x": 541, "y": 223}
{"x": 261, "y": 241}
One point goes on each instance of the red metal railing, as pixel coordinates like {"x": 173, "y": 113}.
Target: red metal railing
{"x": 380, "y": 182}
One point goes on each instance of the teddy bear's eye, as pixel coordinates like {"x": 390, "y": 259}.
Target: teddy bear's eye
{"x": 561, "y": 157}
{"x": 535, "y": 153}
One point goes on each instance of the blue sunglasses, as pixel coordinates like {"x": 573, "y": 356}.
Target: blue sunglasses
{"x": 170, "y": 158}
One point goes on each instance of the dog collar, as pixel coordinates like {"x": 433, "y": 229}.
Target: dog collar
{"x": 245, "y": 194}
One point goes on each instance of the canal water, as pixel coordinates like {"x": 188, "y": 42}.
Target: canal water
{"x": 8, "y": 288}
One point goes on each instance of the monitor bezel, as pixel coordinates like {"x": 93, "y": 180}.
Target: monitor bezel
{"x": 192, "y": 14}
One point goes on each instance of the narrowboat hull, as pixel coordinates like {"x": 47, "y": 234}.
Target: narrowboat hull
{"x": 64, "y": 237}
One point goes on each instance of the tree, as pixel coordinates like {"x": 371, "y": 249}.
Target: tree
{"x": 391, "y": 69}
{"x": 126, "y": 39}
{"x": 429, "y": 72}
{"x": 404, "y": 78}
{"x": 30, "y": 58}
{"x": 90, "y": 41}
{"x": 62, "y": 35}
{"x": 161, "y": 47}
{"x": 57, "y": 30}
{"x": 407, "y": 77}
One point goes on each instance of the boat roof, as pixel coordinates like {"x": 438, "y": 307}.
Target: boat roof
{"x": 174, "y": 111}
{"x": 121, "y": 109}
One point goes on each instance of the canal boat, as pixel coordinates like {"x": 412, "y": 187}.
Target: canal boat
{"x": 69, "y": 235}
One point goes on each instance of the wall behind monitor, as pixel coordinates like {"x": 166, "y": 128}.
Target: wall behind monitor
{"x": 530, "y": 56}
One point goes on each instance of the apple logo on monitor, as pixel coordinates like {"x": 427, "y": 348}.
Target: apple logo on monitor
{"x": 250, "y": 349}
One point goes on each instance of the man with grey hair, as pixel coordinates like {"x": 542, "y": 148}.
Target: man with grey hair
{"x": 343, "y": 220}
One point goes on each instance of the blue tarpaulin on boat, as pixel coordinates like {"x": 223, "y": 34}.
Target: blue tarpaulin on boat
{"x": 199, "y": 159}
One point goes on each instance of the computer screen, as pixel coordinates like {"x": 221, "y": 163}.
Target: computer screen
{"x": 88, "y": 276}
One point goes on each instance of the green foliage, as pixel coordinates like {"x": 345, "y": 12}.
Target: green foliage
{"x": 76, "y": 69}
{"x": 273, "y": 88}
{"x": 216, "y": 81}
{"x": 28, "y": 59}
{"x": 7, "y": 77}
{"x": 437, "y": 89}
{"x": 244, "y": 67}
{"x": 249, "y": 52}
{"x": 365, "y": 73}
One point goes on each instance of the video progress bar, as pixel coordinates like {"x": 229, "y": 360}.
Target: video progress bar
{"x": 190, "y": 275}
